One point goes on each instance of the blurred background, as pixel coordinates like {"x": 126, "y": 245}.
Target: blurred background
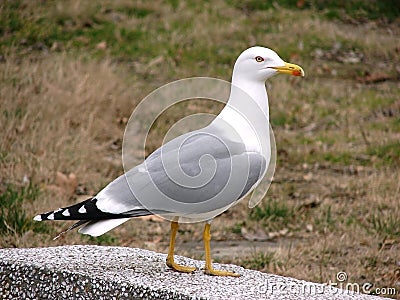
{"x": 71, "y": 73}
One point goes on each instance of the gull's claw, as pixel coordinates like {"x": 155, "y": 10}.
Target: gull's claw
{"x": 179, "y": 268}
{"x": 220, "y": 273}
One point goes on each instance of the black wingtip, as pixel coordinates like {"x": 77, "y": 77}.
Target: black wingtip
{"x": 86, "y": 210}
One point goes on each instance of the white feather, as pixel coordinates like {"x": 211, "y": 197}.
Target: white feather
{"x": 100, "y": 227}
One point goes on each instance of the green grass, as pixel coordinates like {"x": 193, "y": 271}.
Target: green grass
{"x": 17, "y": 113}
{"x": 13, "y": 218}
{"x": 105, "y": 240}
{"x": 360, "y": 10}
{"x": 326, "y": 219}
{"x": 395, "y": 124}
{"x": 73, "y": 32}
{"x": 259, "y": 261}
{"x": 132, "y": 11}
{"x": 272, "y": 211}
{"x": 332, "y": 9}
{"x": 386, "y": 225}
{"x": 332, "y": 157}
{"x": 93, "y": 23}
{"x": 344, "y": 158}
{"x": 388, "y": 154}
{"x": 369, "y": 261}
{"x": 237, "y": 229}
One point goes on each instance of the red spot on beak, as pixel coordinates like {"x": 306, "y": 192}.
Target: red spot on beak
{"x": 296, "y": 73}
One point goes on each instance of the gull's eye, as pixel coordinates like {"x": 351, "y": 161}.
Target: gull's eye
{"x": 259, "y": 59}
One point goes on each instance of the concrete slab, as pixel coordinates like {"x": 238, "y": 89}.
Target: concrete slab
{"x": 94, "y": 272}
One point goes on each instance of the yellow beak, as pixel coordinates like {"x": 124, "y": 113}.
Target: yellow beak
{"x": 290, "y": 69}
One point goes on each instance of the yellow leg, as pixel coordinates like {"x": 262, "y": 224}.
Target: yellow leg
{"x": 209, "y": 268}
{"x": 170, "y": 257}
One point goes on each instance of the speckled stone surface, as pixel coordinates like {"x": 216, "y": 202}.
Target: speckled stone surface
{"x": 94, "y": 272}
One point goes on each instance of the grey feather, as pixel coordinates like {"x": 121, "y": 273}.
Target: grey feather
{"x": 200, "y": 172}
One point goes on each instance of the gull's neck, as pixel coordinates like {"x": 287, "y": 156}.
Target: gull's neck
{"x": 255, "y": 89}
{"x": 247, "y": 112}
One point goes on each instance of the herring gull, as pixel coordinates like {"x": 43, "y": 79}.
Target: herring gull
{"x": 200, "y": 174}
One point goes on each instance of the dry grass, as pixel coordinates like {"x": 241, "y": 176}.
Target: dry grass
{"x": 55, "y": 117}
{"x": 337, "y": 179}
{"x": 55, "y": 120}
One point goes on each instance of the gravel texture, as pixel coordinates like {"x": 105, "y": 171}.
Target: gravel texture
{"x": 94, "y": 272}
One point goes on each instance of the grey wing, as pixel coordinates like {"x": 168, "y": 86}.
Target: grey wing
{"x": 117, "y": 196}
{"x": 200, "y": 173}
{"x": 196, "y": 173}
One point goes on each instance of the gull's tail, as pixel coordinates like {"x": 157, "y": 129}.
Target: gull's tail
{"x": 95, "y": 221}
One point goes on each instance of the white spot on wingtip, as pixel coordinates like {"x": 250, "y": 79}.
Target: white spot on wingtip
{"x": 66, "y": 213}
{"x": 82, "y": 210}
{"x": 50, "y": 217}
{"x": 38, "y": 218}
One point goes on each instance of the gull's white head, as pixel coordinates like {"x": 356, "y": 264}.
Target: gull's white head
{"x": 259, "y": 64}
